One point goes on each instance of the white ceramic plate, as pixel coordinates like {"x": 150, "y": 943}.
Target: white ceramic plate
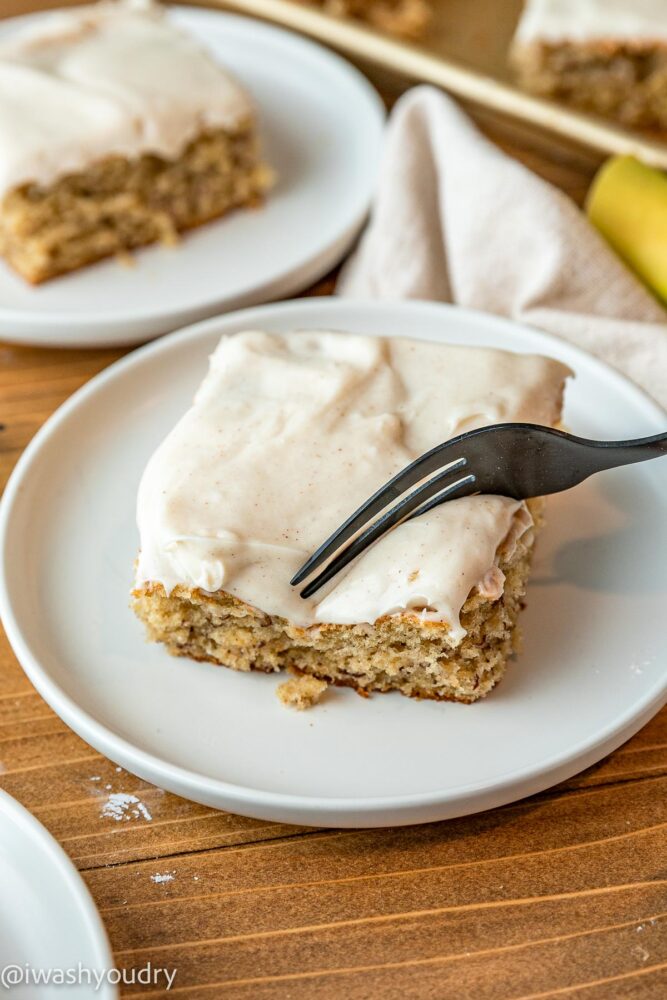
{"x": 322, "y": 124}
{"x": 591, "y": 673}
{"x": 48, "y": 921}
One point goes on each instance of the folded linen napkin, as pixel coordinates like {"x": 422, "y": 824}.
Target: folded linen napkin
{"x": 456, "y": 220}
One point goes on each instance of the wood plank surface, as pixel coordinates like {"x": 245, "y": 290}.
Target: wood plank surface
{"x": 561, "y": 895}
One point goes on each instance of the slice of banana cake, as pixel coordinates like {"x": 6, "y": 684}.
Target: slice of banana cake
{"x": 288, "y": 434}
{"x": 116, "y": 130}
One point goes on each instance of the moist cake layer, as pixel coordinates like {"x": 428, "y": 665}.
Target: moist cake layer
{"x": 401, "y": 652}
{"x": 290, "y": 433}
{"x": 118, "y": 205}
{"x": 109, "y": 79}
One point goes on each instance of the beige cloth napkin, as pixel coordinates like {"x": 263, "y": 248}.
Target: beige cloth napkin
{"x": 456, "y": 220}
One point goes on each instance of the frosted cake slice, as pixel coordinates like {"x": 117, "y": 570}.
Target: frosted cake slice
{"x": 286, "y": 436}
{"x": 116, "y": 130}
{"x": 603, "y": 56}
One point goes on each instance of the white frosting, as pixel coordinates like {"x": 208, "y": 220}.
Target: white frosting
{"x": 113, "y": 78}
{"x": 289, "y": 434}
{"x": 633, "y": 21}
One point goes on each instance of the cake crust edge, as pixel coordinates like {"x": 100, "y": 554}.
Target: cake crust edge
{"x": 397, "y": 652}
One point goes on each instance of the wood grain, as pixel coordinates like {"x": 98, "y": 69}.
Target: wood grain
{"x": 562, "y": 895}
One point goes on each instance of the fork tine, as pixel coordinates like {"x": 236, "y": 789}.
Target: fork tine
{"x": 399, "y": 512}
{"x": 440, "y": 498}
{"x": 385, "y": 495}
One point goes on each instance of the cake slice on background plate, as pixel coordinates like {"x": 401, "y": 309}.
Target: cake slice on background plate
{"x": 603, "y": 56}
{"x": 116, "y": 130}
{"x": 287, "y": 435}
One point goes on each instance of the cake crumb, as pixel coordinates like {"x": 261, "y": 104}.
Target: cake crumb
{"x": 301, "y": 692}
{"x": 125, "y": 258}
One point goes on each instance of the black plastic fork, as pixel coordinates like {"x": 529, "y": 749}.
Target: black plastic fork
{"x": 512, "y": 460}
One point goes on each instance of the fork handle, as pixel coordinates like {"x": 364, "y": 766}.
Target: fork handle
{"x": 613, "y": 454}
{"x": 546, "y": 466}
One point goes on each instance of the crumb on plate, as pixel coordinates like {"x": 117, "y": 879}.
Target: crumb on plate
{"x": 301, "y": 692}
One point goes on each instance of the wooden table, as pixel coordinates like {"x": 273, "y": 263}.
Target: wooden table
{"x": 563, "y": 894}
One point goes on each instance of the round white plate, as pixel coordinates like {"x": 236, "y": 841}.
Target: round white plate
{"x": 48, "y": 921}
{"x": 592, "y": 670}
{"x": 321, "y": 124}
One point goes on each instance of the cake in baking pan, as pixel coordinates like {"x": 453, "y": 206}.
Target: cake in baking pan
{"x": 407, "y": 18}
{"x": 603, "y": 56}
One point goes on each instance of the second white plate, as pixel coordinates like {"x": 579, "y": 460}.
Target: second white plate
{"x": 322, "y": 125}
{"x": 592, "y": 671}
{"x": 49, "y": 926}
